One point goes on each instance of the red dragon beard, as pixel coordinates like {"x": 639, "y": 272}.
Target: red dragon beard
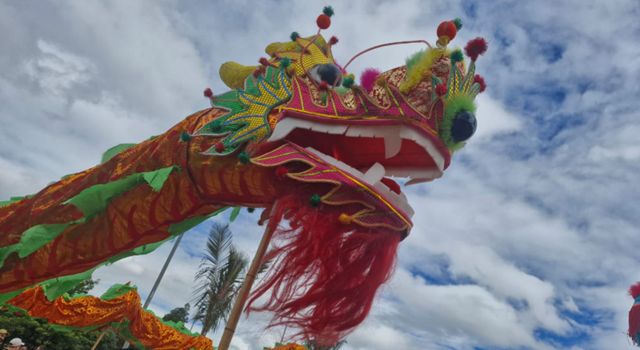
{"x": 324, "y": 274}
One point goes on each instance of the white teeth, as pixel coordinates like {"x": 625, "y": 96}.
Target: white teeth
{"x": 283, "y": 128}
{"x": 374, "y": 174}
{"x": 392, "y": 145}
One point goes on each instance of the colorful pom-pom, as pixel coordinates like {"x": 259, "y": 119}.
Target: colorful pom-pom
{"x": 458, "y": 23}
{"x": 258, "y": 71}
{"x": 323, "y": 85}
{"x": 634, "y": 290}
{"x": 348, "y": 81}
{"x": 243, "y": 157}
{"x": 475, "y": 48}
{"x": 208, "y": 93}
{"x": 251, "y": 210}
{"x": 480, "y": 80}
{"x": 281, "y": 172}
{"x": 185, "y": 137}
{"x": 333, "y": 40}
{"x": 323, "y": 21}
{"x": 285, "y": 62}
{"x": 328, "y": 10}
{"x": 345, "y": 219}
{"x": 294, "y": 36}
{"x": 441, "y": 89}
{"x": 456, "y": 56}
{"x": 368, "y": 78}
{"x": 219, "y": 147}
{"x": 216, "y": 125}
{"x": 263, "y": 61}
{"x": 315, "y": 200}
{"x": 447, "y": 29}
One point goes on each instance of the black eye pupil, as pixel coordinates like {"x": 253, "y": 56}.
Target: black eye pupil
{"x": 329, "y": 73}
{"x": 464, "y": 125}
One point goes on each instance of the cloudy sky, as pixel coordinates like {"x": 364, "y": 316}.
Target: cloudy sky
{"x": 530, "y": 239}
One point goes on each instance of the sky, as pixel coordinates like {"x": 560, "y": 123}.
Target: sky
{"x": 530, "y": 239}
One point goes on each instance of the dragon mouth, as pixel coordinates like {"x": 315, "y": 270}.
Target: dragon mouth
{"x": 370, "y": 152}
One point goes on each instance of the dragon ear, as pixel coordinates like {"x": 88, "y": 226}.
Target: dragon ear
{"x": 233, "y": 74}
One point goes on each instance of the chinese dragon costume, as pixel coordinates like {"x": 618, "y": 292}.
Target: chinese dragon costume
{"x": 295, "y": 135}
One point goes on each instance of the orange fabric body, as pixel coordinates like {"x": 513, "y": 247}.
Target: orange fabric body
{"x": 89, "y": 311}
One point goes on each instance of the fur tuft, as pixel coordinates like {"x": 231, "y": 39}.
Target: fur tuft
{"x": 368, "y": 78}
{"x": 475, "y": 48}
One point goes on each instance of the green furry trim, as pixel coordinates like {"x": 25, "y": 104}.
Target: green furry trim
{"x": 414, "y": 59}
{"x": 113, "y": 151}
{"x": 454, "y": 104}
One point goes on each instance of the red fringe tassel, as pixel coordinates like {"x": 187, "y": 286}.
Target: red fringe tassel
{"x": 324, "y": 275}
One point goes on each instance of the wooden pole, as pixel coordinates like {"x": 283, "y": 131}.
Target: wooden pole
{"x": 95, "y": 345}
{"x": 238, "y": 306}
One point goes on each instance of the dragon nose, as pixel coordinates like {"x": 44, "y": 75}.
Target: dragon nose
{"x": 327, "y": 72}
{"x": 463, "y": 127}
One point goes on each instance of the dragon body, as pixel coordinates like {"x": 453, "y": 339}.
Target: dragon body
{"x": 287, "y": 138}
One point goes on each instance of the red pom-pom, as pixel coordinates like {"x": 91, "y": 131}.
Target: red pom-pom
{"x": 441, "y": 89}
{"x": 448, "y": 29}
{"x": 634, "y": 290}
{"x": 323, "y": 21}
{"x": 258, "y": 71}
{"x": 219, "y": 147}
{"x": 480, "y": 80}
{"x": 475, "y": 48}
{"x": 263, "y": 61}
{"x": 281, "y": 172}
{"x": 368, "y": 78}
{"x": 323, "y": 85}
{"x": 333, "y": 40}
{"x": 208, "y": 93}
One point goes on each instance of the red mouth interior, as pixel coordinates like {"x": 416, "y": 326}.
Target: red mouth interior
{"x": 362, "y": 152}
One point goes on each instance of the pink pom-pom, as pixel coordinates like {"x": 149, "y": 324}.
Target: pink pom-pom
{"x": 480, "y": 80}
{"x": 208, "y": 93}
{"x": 634, "y": 290}
{"x": 368, "y": 78}
{"x": 475, "y": 48}
{"x": 333, "y": 40}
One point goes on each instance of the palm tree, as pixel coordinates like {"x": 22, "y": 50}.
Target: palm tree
{"x": 219, "y": 278}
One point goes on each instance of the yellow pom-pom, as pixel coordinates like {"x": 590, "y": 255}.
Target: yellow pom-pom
{"x": 345, "y": 219}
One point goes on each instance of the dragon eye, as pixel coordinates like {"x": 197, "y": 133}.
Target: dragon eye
{"x": 463, "y": 127}
{"x": 328, "y": 72}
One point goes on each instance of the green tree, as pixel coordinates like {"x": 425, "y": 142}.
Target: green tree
{"x": 179, "y": 314}
{"x": 36, "y": 331}
{"x": 219, "y": 278}
{"x": 83, "y": 287}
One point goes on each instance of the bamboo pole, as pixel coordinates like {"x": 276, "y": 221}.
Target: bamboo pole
{"x": 243, "y": 294}
{"x": 156, "y": 284}
{"x": 95, "y": 345}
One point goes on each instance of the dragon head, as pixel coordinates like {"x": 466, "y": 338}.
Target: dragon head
{"x": 301, "y": 113}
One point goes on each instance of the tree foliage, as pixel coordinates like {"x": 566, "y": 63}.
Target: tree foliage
{"x": 83, "y": 287}
{"x": 36, "y": 331}
{"x": 179, "y": 314}
{"x": 219, "y": 278}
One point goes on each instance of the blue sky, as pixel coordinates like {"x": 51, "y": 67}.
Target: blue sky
{"x": 530, "y": 239}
